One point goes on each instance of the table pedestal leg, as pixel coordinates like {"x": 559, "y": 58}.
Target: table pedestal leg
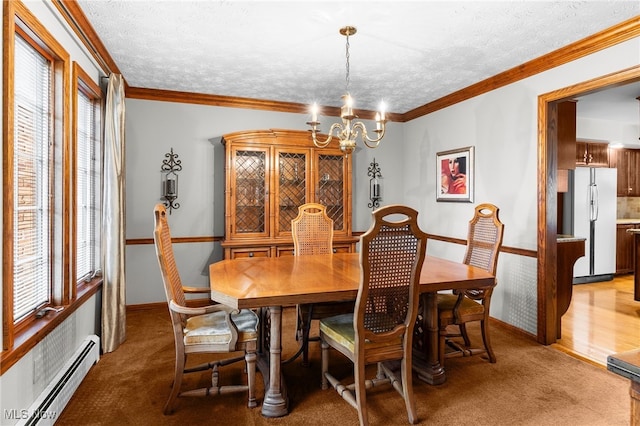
{"x": 430, "y": 370}
{"x": 275, "y": 401}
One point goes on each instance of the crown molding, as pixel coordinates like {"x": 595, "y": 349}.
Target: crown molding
{"x": 619, "y": 33}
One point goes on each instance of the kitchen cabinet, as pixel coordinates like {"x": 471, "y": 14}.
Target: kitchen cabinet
{"x": 627, "y": 161}
{"x": 567, "y": 135}
{"x": 268, "y": 174}
{"x": 625, "y": 248}
{"x": 566, "y": 146}
{"x": 593, "y": 154}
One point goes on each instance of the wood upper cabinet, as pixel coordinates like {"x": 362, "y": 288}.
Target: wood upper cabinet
{"x": 268, "y": 174}
{"x": 592, "y": 154}
{"x": 567, "y": 135}
{"x": 627, "y": 161}
{"x": 633, "y": 172}
{"x": 566, "y": 146}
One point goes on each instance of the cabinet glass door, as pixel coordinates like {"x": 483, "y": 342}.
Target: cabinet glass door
{"x": 292, "y": 175}
{"x": 331, "y": 188}
{"x": 249, "y": 192}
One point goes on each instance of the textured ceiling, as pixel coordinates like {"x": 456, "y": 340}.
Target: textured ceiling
{"x": 407, "y": 53}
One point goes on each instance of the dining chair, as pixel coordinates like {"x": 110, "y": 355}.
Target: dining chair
{"x": 213, "y": 329}
{"x": 379, "y": 331}
{"x": 312, "y": 232}
{"x": 484, "y": 240}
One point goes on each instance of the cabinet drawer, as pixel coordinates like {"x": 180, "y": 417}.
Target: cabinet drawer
{"x": 285, "y": 251}
{"x": 288, "y": 251}
{"x": 342, "y": 249}
{"x": 249, "y": 252}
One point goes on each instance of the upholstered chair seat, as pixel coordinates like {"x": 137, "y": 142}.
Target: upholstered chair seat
{"x": 213, "y": 329}
{"x": 446, "y": 303}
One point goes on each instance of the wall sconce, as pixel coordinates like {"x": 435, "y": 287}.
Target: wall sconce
{"x": 170, "y": 168}
{"x": 374, "y": 185}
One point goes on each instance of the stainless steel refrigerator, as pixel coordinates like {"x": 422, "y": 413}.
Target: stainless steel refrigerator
{"x": 591, "y": 208}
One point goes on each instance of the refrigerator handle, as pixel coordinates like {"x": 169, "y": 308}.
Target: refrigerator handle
{"x": 594, "y": 202}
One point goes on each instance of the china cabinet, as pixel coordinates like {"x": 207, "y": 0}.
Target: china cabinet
{"x": 268, "y": 174}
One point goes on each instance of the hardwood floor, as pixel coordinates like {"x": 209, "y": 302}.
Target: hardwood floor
{"x": 602, "y": 319}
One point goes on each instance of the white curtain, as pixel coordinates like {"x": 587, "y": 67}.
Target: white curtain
{"x": 113, "y": 219}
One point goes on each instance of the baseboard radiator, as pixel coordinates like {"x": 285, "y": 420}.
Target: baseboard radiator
{"x": 49, "y": 405}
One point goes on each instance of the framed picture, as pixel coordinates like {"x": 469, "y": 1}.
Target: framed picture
{"x": 455, "y": 175}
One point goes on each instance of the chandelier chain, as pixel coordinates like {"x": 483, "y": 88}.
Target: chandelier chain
{"x": 347, "y": 56}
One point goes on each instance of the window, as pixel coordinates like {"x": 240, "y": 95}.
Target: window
{"x": 32, "y": 184}
{"x": 87, "y": 176}
{"x": 36, "y": 176}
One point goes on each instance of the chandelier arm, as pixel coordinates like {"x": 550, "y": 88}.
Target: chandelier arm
{"x": 369, "y": 142}
{"x": 373, "y": 143}
{"x": 319, "y": 143}
{"x": 323, "y": 144}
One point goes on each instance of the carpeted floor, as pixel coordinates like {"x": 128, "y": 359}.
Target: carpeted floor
{"x": 530, "y": 384}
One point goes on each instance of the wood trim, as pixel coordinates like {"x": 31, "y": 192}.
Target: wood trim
{"x": 547, "y": 196}
{"x": 547, "y": 225}
{"x": 238, "y": 102}
{"x": 8, "y": 73}
{"x": 147, "y": 306}
{"x": 177, "y": 240}
{"x": 511, "y": 328}
{"x": 604, "y": 39}
{"x": 62, "y": 65}
{"x": 28, "y": 338}
{"x": 503, "y": 249}
{"x": 174, "y": 240}
{"x": 77, "y": 20}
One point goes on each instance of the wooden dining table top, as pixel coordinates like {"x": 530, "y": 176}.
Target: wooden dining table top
{"x": 288, "y": 280}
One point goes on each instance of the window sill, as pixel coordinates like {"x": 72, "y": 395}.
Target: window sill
{"x": 28, "y": 338}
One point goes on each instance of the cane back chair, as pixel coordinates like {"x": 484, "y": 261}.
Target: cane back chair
{"x": 379, "y": 331}
{"x": 211, "y": 329}
{"x": 483, "y": 247}
{"x": 312, "y": 232}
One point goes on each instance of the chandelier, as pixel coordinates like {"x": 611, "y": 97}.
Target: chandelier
{"x": 348, "y": 131}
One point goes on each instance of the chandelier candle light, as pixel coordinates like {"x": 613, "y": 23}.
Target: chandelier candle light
{"x": 348, "y": 132}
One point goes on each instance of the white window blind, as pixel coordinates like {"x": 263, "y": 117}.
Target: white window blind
{"x": 87, "y": 189}
{"x": 31, "y": 174}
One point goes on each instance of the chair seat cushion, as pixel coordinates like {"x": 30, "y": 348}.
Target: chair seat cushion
{"x": 340, "y": 329}
{"x": 446, "y": 302}
{"x": 212, "y": 328}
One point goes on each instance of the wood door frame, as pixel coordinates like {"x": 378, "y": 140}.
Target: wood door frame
{"x": 547, "y": 191}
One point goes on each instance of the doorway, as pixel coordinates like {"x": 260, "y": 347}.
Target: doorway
{"x": 547, "y": 192}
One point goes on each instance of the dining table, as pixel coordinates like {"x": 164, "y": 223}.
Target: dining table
{"x": 268, "y": 284}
